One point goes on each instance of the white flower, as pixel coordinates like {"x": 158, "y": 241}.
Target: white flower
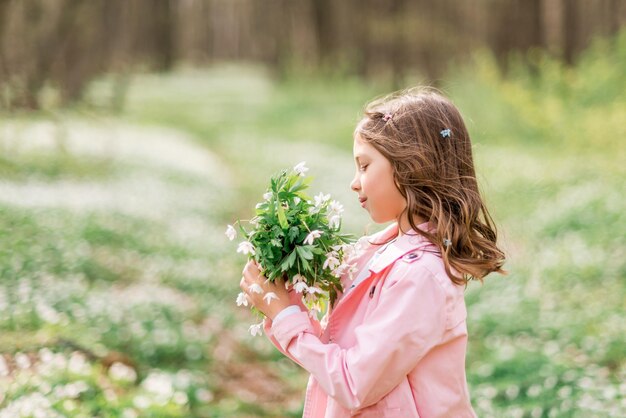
{"x": 312, "y": 290}
{"x": 256, "y": 288}
{"x": 158, "y": 383}
{"x": 299, "y": 283}
{"x": 320, "y": 199}
{"x": 312, "y": 236}
{"x": 300, "y": 287}
{"x": 245, "y": 247}
{"x": 300, "y": 168}
{"x": 255, "y": 329}
{"x": 120, "y": 371}
{"x": 241, "y": 299}
{"x": 269, "y": 296}
{"x": 22, "y": 361}
{"x": 296, "y": 200}
{"x": 267, "y": 196}
{"x": 334, "y": 221}
{"x": 331, "y": 261}
{"x": 335, "y": 208}
{"x": 231, "y": 233}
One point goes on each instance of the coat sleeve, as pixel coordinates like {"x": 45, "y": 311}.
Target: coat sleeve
{"x": 296, "y": 299}
{"x": 408, "y": 321}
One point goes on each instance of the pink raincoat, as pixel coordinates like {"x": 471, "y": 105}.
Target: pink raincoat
{"x": 394, "y": 346}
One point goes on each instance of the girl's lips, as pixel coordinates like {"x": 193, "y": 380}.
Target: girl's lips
{"x": 363, "y": 202}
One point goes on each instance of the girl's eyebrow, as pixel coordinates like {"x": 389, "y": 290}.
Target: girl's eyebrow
{"x": 358, "y": 157}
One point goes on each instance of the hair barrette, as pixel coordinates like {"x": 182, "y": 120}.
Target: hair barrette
{"x": 447, "y": 242}
{"x": 387, "y": 116}
{"x": 445, "y": 133}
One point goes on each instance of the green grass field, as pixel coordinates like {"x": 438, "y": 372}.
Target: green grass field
{"x": 118, "y": 287}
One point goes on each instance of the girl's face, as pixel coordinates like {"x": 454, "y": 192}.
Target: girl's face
{"x": 374, "y": 183}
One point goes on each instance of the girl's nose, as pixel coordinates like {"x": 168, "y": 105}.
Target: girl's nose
{"x": 355, "y": 185}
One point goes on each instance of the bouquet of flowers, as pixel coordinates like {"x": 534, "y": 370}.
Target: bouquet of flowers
{"x": 297, "y": 238}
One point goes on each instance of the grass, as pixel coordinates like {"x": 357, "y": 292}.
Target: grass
{"x": 115, "y": 254}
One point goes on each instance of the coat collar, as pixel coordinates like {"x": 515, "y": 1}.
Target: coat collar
{"x": 408, "y": 242}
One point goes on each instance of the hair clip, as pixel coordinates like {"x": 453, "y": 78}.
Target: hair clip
{"x": 387, "y": 116}
{"x": 445, "y": 133}
{"x": 447, "y": 242}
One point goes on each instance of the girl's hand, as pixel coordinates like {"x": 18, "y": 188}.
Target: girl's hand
{"x": 269, "y": 298}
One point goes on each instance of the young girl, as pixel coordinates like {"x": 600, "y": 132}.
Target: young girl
{"x": 394, "y": 343}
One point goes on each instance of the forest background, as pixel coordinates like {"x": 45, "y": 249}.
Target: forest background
{"x": 131, "y": 133}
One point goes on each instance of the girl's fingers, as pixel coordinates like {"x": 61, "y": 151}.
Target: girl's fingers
{"x": 243, "y": 284}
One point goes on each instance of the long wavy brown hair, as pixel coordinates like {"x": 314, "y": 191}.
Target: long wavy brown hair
{"x": 424, "y": 137}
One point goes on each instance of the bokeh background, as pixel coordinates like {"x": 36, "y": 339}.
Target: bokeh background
{"x": 133, "y": 132}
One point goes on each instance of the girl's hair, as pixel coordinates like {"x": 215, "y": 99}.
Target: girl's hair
{"x": 433, "y": 169}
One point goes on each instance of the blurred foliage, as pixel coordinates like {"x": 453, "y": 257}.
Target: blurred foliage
{"x": 118, "y": 284}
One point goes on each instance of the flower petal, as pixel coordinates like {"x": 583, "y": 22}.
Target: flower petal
{"x": 269, "y": 296}
{"x": 231, "y": 233}
{"x": 241, "y": 299}
{"x": 254, "y": 287}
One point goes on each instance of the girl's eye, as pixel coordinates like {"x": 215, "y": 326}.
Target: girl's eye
{"x": 363, "y": 167}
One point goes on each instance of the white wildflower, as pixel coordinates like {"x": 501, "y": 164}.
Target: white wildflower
{"x": 256, "y": 288}
{"x": 245, "y": 247}
{"x": 120, "y": 371}
{"x": 335, "y": 208}
{"x": 299, "y": 283}
{"x": 22, "y": 361}
{"x": 331, "y": 261}
{"x": 77, "y": 364}
{"x": 300, "y": 168}
{"x": 267, "y": 196}
{"x": 269, "y": 296}
{"x": 73, "y": 390}
{"x": 312, "y": 290}
{"x": 312, "y": 236}
{"x": 159, "y": 384}
{"x": 241, "y": 299}
{"x": 255, "y": 329}
{"x": 300, "y": 287}
{"x": 297, "y": 200}
{"x": 320, "y": 199}
{"x": 334, "y": 221}
{"x": 231, "y": 233}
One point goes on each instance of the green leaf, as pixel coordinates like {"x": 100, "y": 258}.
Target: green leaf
{"x": 293, "y": 233}
{"x": 288, "y": 263}
{"x": 282, "y": 219}
{"x": 305, "y": 252}
{"x": 305, "y": 264}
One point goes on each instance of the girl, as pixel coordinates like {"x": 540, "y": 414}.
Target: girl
{"x": 394, "y": 343}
